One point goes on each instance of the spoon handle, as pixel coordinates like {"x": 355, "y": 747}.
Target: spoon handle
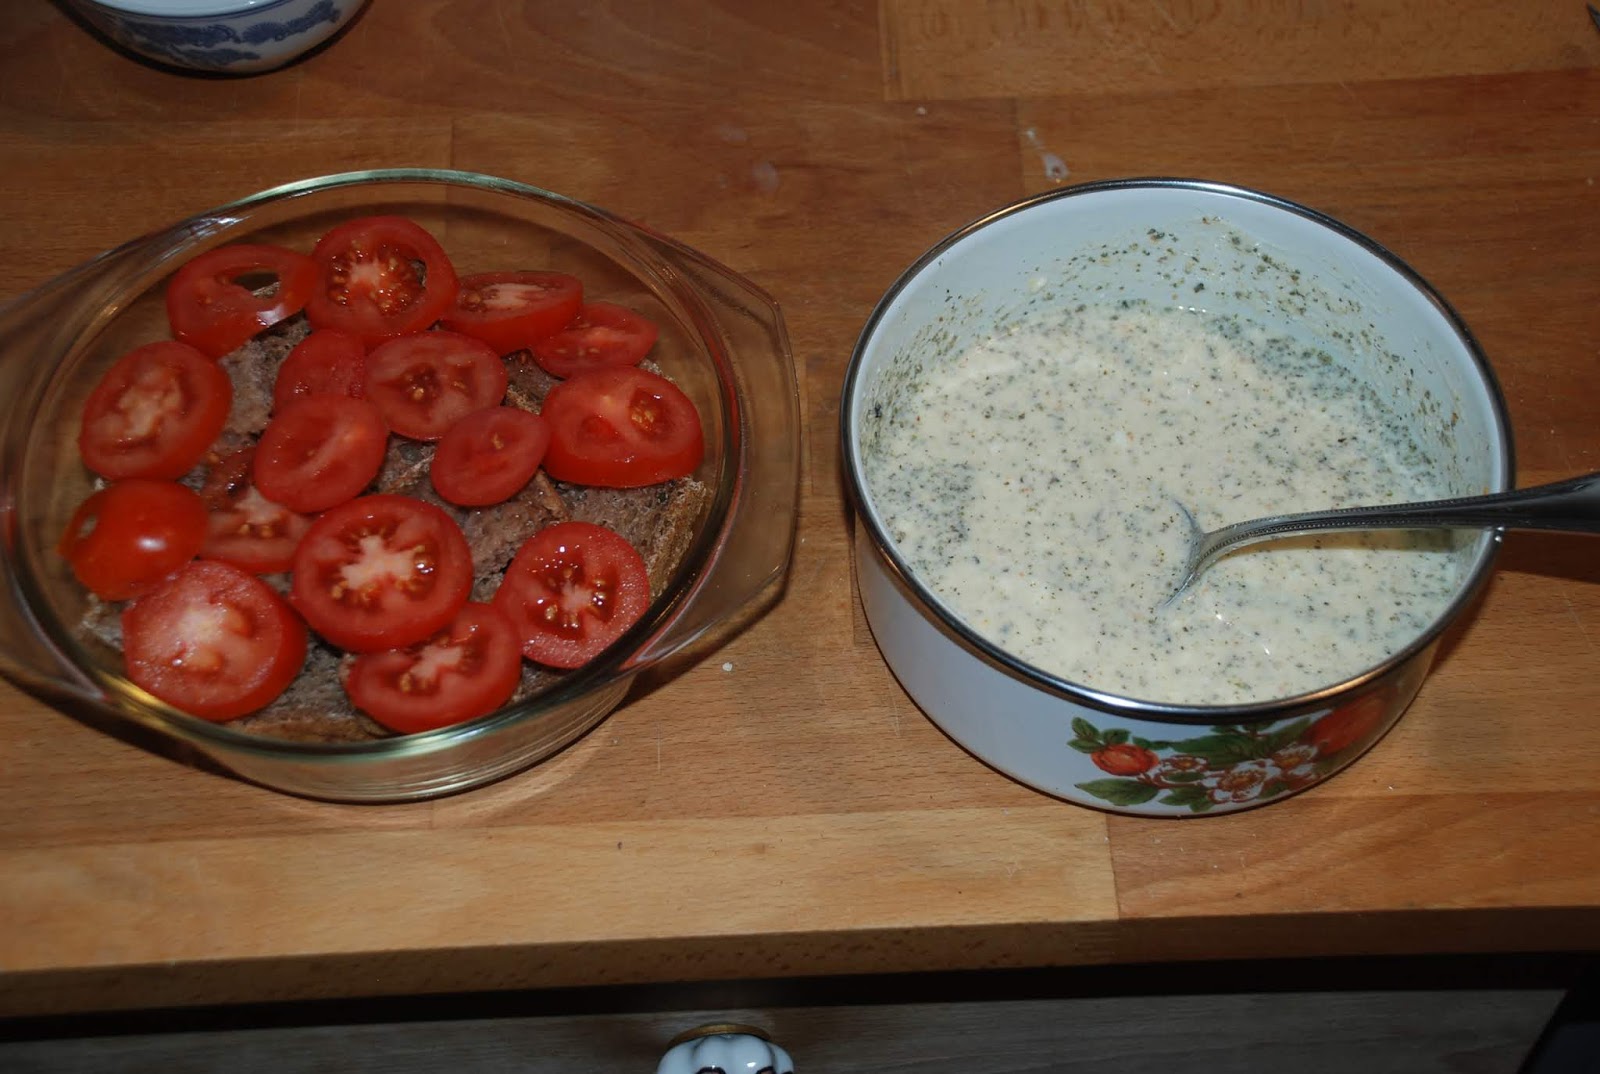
{"x": 1571, "y": 506}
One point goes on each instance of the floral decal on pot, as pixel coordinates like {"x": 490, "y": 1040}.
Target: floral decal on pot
{"x": 1230, "y": 765}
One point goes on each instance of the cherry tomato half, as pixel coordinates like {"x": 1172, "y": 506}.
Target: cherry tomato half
{"x": 381, "y": 572}
{"x": 328, "y": 362}
{"x": 621, "y": 427}
{"x": 380, "y": 277}
{"x": 214, "y": 303}
{"x": 465, "y": 671}
{"x": 127, "y": 537}
{"x": 488, "y": 456}
{"x": 245, "y": 528}
{"x": 602, "y": 334}
{"x": 213, "y": 641}
{"x": 571, "y": 590}
{"x": 154, "y": 412}
{"x": 424, "y": 383}
{"x": 512, "y": 310}
{"x": 320, "y": 451}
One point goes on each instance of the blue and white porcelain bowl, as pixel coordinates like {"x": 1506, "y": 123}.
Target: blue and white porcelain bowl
{"x": 220, "y": 36}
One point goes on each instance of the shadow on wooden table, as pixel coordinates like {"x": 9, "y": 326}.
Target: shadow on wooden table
{"x": 1552, "y": 555}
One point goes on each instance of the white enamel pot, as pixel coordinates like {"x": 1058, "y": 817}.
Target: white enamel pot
{"x": 1167, "y": 242}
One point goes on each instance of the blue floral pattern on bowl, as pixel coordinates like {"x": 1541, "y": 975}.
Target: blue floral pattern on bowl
{"x": 245, "y": 42}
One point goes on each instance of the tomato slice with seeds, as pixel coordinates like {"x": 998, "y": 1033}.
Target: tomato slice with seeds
{"x": 601, "y": 335}
{"x": 512, "y": 310}
{"x": 328, "y": 362}
{"x": 320, "y": 451}
{"x": 381, "y": 572}
{"x": 125, "y": 538}
{"x": 488, "y": 456}
{"x": 571, "y": 590}
{"x": 214, "y": 641}
{"x": 424, "y": 383}
{"x": 621, "y": 427}
{"x": 154, "y": 412}
{"x": 380, "y": 277}
{"x": 465, "y": 671}
{"x": 243, "y": 527}
{"x": 223, "y": 297}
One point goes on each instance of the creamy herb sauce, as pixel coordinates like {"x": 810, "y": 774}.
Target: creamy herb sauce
{"x": 1032, "y": 484}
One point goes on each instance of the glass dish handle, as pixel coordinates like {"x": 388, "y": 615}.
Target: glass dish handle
{"x": 28, "y": 325}
{"x": 759, "y": 535}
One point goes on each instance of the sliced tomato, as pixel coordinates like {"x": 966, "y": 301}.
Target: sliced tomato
{"x": 214, "y": 641}
{"x": 380, "y": 277}
{"x": 464, "y": 671}
{"x": 602, "y": 334}
{"x": 571, "y": 590}
{"x": 243, "y": 527}
{"x": 513, "y": 310}
{"x": 222, "y": 298}
{"x": 621, "y": 427}
{"x": 424, "y": 383}
{"x": 127, "y": 537}
{"x": 320, "y": 451}
{"x": 381, "y": 572}
{"x": 488, "y": 456}
{"x": 328, "y": 362}
{"x": 154, "y": 412}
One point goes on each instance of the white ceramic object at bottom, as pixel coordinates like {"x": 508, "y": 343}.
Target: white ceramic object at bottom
{"x": 220, "y": 36}
{"x": 1168, "y": 243}
{"x": 725, "y": 1050}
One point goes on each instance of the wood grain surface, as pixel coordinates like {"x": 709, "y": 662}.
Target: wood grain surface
{"x": 778, "y": 806}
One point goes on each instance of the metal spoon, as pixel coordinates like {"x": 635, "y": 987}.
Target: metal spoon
{"x": 1570, "y": 506}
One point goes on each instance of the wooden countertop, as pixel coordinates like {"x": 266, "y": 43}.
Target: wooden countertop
{"x": 780, "y": 807}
